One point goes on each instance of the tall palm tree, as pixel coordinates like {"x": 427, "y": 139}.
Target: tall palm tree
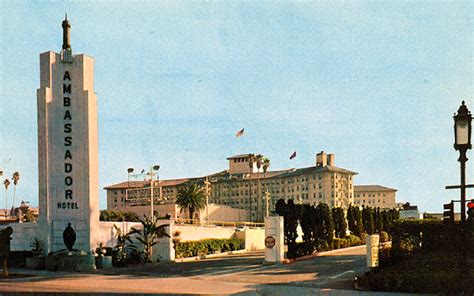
{"x": 266, "y": 165}
{"x": 191, "y": 198}
{"x": 251, "y": 162}
{"x": 6, "y": 183}
{"x": 15, "y": 179}
{"x": 259, "y": 160}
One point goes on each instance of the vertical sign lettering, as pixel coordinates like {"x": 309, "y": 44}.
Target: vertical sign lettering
{"x": 67, "y": 130}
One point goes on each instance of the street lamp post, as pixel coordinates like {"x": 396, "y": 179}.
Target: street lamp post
{"x": 462, "y": 142}
{"x": 207, "y": 183}
{"x": 152, "y": 173}
{"x": 267, "y": 199}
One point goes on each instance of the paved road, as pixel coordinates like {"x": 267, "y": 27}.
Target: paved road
{"x": 329, "y": 274}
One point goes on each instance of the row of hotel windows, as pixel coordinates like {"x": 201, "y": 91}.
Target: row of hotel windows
{"x": 241, "y": 160}
{"x": 368, "y": 195}
{"x": 368, "y": 201}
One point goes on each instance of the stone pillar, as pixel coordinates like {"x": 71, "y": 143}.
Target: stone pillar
{"x": 164, "y": 249}
{"x": 274, "y": 240}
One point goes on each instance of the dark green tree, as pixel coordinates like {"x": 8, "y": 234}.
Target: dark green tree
{"x": 384, "y": 219}
{"x": 309, "y": 222}
{"x": 191, "y": 198}
{"x": 325, "y": 229}
{"x": 118, "y": 216}
{"x": 355, "y": 221}
{"x": 340, "y": 224}
{"x": 378, "y": 223}
{"x": 290, "y": 215}
{"x": 351, "y": 224}
{"x": 368, "y": 220}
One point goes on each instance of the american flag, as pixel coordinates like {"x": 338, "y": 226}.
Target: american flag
{"x": 240, "y": 133}
{"x": 293, "y": 155}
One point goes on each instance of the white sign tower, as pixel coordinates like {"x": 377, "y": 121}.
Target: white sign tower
{"x": 67, "y": 148}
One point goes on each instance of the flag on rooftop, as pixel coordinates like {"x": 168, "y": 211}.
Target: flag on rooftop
{"x": 293, "y": 155}
{"x": 240, "y": 133}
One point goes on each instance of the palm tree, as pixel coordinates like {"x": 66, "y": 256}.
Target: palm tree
{"x": 15, "y": 179}
{"x": 6, "y": 183}
{"x": 266, "y": 165}
{"x": 259, "y": 160}
{"x": 192, "y": 198}
{"x": 149, "y": 235}
{"x": 251, "y": 162}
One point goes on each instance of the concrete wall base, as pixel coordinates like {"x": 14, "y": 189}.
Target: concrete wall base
{"x": 70, "y": 262}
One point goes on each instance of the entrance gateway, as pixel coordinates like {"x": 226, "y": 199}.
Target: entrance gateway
{"x": 67, "y": 149}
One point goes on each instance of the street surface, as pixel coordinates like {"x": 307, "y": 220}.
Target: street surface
{"x": 328, "y": 274}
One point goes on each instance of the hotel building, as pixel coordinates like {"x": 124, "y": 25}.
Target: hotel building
{"x": 375, "y": 196}
{"x": 243, "y": 186}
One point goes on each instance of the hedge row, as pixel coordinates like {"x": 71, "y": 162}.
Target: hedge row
{"x": 426, "y": 236}
{"x": 349, "y": 241}
{"x": 206, "y": 246}
{"x": 424, "y": 258}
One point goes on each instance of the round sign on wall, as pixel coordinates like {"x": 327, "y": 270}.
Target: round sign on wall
{"x": 270, "y": 242}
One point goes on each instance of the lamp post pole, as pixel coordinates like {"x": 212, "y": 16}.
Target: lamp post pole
{"x": 207, "y": 183}
{"x": 462, "y": 142}
{"x": 151, "y": 193}
{"x": 152, "y": 181}
{"x": 462, "y": 159}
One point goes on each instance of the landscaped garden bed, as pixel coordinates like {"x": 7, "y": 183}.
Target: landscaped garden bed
{"x": 206, "y": 247}
{"x": 424, "y": 258}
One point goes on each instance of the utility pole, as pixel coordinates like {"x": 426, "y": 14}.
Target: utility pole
{"x": 267, "y": 197}
{"x": 207, "y": 183}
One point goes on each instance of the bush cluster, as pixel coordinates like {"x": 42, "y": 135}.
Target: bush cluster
{"x": 347, "y": 242}
{"x": 325, "y": 229}
{"x": 426, "y": 236}
{"x": 206, "y": 246}
{"x": 118, "y": 216}
{"x": 424, "y": 258}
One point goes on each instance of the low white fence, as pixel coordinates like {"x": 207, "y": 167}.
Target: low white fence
{"x": 24, "y": 233}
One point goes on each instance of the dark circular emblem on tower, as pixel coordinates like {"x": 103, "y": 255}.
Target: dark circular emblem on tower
{"x": 69, "y": 237}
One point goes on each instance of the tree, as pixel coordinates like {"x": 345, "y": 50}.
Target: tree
{"x": 309, "y": 219}
{"x": 325, "y": 230}
{"x": 149, "y": 235}
{"x": 266, "y": 165}
{"x": 378, "y": 222}
{"x": 191, "y": 198}
{"x": 290, "y": 222}
{"x": 340, "y": 224}
{"x": 15, "y": 179}
{"x": 6, "y": 183}
{"x": 120, "y": 248}
{"x": 354, "y": 219}
{"x": 259, "y": 162}
{"x": 251, "y": 163}
{"x": 118, "y": 216}
{"x": 368, "y": 220}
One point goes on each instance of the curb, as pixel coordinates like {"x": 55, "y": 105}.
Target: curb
{"x": 318, "y": 254}
{"x": 210, "y": 256}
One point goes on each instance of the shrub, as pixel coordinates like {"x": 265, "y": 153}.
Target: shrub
{"x": 348, "y": 241}
{"x": 383, "y": 236}
{"x": 206, "y": 246}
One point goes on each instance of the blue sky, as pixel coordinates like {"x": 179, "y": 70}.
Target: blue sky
{"x": 375, "y": 83}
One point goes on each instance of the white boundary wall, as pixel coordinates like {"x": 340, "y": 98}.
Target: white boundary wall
{"x": 24, "y": 233}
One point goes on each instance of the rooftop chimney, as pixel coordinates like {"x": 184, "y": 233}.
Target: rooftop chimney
{"x": 331, "y": 159}
{"x": 321, "y": 159}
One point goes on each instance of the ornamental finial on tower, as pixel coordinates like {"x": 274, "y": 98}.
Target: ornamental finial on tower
{"x": 66, "y": 34}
